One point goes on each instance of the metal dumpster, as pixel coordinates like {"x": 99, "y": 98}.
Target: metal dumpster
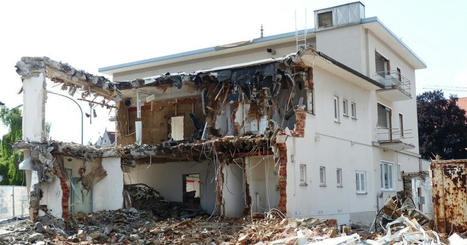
{"x": 450, "y": 195}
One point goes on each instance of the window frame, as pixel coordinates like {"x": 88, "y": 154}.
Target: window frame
{"x": 386, "y": 64}
{"x": 320, "y": 24}
{"x": 322, "y": 176}
{"x": 359, "y": 188}
{"x": 339, "y": 177}
{"x": 401, "y": 124}
{"x": 302, "y": 174}
{"x": 353, "y": 110}
{"x": 336, "y": 109}
{"x": 345, "y": 107}
{"x": 311, "y": 101}
{"x": 388, "y": 113}
{"x": 389, "y": 168}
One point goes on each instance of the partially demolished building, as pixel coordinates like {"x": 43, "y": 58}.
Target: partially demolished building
{"x": 239, "y": 129}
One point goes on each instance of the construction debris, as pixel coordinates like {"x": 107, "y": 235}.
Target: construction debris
{"x": 143, "y": 197}
{"x": 132, "y": 226}
{"x": 399, "y": 205}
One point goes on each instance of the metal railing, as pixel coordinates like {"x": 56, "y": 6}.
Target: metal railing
{"x": 393, "y": 134}
{"x": 393, "y": 80}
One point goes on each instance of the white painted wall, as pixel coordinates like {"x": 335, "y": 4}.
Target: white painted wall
{"x": 263, "y": 181}
{"x": 344, "y": 44}
{"x": 108, "y": 193}
{"x": 34, "y": 98}
{"x": 167, "y": 179}
{"x": 233, "y": 193}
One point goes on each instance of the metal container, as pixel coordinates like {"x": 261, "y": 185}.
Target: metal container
{"x": 450, "y": 195}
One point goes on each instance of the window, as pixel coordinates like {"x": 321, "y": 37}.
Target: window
{"x": 345, "y": 107}
{"x": 336, "y": 109}
{"x": 382, "y": 65}
{"x": 399, "y": 172}
{"x": 311, "y": 101}
{"x": 383, "y": 116}
{"x": 401, "y": 124}
{"x": 386, "y": 176}
{"x": 176, "y": 124}
{"x": 339, "y": 177}
{"x": 322, "y": 176}
{"x": 360, "y": 182}
{"x": 399, "y": 74}
{"x": 353, "y": 109}
{"x": 325, "y": 19}
{"x": 303, "y": 174}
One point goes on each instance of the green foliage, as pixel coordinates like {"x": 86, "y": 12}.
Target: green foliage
{"x": 442, "y": 126}
{"x": 9, "y": 160}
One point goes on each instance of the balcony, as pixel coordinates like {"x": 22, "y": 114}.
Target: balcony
{"x": 393, "y": 139}
{"x": 396, "y": 87}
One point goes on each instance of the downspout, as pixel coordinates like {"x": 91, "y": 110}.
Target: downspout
{"x": 138, "y": 124}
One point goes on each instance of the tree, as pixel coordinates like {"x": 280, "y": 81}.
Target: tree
{"x": 9, "y": 159}
{"x": 442, "y": 126}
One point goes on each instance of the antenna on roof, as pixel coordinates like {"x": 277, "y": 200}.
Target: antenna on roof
{"x": 262, "y": 31}
{"x": 300, "y": 39}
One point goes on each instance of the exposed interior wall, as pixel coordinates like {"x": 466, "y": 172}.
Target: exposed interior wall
{"x": 108, "y": 193}
{"x": 167, "y": 178}
{"x": 422, "y": 194}
{"x": 156, "y": 119}
{"x": 233, "y": 194}
{"x": 263, "y": 181}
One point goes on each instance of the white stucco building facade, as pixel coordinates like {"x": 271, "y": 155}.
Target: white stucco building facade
{"x": 352, "y": 144}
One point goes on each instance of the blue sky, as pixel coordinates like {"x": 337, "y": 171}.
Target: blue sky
{"x": 91, "y": 34}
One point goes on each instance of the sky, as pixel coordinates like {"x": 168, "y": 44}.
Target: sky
{"x": 92, "y": 34}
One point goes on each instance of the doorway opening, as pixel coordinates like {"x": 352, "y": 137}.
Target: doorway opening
{"x": 191, "y": 190}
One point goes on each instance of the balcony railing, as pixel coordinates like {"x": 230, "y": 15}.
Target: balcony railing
{"x": 392, "y": 135}
{"x": 394, "y": 80}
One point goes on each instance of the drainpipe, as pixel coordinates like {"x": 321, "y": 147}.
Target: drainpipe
{"x": 138, "y": 125}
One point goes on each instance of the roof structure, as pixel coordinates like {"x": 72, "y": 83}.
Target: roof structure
{"x": 417, "y": 62}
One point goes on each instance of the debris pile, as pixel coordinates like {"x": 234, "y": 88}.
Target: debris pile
{"x": 144, "y": 197}
{"x": 141, "y": 227}
{"x": 132, "y": 226}
{"x": 397, "y": 206}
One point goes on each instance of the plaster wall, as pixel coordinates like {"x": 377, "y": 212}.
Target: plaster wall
{"x": 34, "y": 98}
{"x": 167, "y": 179}
{"x": 408, "y": 108}
{"x": 107, "y": 193}
{"x": 344, "y": 44}
{"x": 233, "y": 193}
{"x": 345, "y": 144}
{"x": 263, "y": 182}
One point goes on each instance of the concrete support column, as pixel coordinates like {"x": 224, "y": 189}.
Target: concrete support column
{"x": 34, "y": 99}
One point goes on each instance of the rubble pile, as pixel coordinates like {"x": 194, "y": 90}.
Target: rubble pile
{"x": 144, "y": 197}
{"x": 132, "y": 226}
